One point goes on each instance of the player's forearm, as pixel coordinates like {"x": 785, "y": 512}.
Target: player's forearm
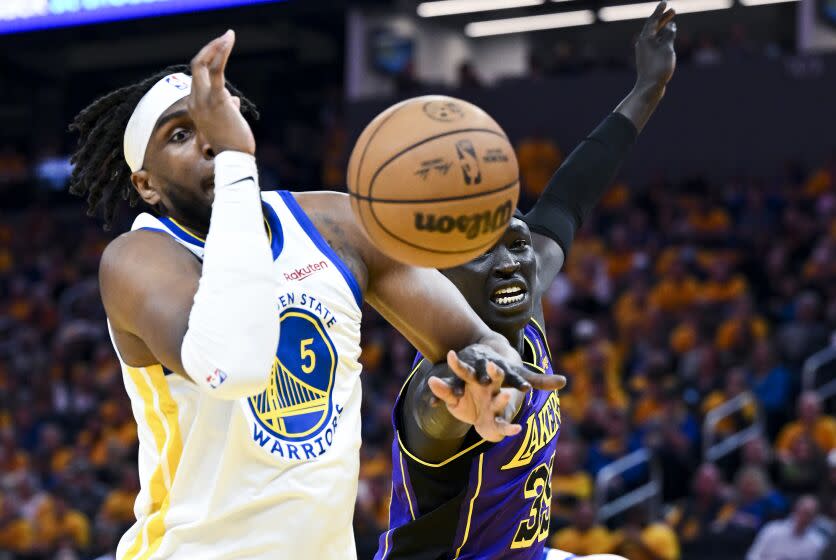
{"x": 641, "y": 102}
{"x": 430, "y": 414}
{"x": 432, "y": 433}
{"x": 577, "y": 186}
{"x": 233, "y": 328}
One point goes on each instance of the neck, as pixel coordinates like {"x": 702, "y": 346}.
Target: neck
{"x": 516, "y": 338}
{"x": 197, "y": 228}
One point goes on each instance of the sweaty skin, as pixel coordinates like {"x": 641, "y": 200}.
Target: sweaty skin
{"x": 148, "y": 281}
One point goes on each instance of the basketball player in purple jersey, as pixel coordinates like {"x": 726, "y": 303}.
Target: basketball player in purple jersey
{"x": 460, "y": 489}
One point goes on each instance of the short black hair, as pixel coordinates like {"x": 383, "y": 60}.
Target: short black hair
{"x": 100, "y": 173}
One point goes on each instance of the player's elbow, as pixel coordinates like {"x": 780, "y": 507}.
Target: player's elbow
{"x": 234, "y": 366}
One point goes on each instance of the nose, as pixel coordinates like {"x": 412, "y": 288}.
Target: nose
{"x": 205, "y": 148}
{"x": 506, "y": 264}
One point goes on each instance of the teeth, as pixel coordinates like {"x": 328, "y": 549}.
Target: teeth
{"x": 510, "y": 299}
{"x": 511, "y": 290}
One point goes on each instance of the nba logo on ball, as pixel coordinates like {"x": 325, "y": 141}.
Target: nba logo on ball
{"x": 469, "y": 162}
{"x": 403, "y": 197}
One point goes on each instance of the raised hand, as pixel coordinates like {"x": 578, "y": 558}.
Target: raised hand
{"x": 215, "y": 112}
{"x": 486, "y": 406}
{"x": 515, "y": 373}
{"x": 655, "y": 55}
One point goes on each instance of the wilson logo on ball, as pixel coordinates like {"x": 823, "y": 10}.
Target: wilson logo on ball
{"x": 471, "y": 225}
{"x": 469, "y": 162}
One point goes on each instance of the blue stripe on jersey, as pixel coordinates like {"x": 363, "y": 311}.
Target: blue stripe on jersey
{"x": 180, "y": 232}
{"x": 321, "y": 244}
{"x": 276, "y": 235}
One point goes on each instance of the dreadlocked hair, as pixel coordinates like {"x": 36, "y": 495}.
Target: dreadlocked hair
{"x": 100, "y": 173}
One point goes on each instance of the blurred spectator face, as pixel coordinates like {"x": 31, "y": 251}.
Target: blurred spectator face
{"x": 677, "y": 271}
{"x": 751, "y": 484}
{"x": 568, "y": 453}
{"x": 806, "y": 509}
{"x": 743, "y": 308}
{"x": 59, "y": 506}
{"x": 720, "y": 270}
{"x": 584, "y": 516}
{"x": 809, "y": 407}
{"x": 708, "y": 363}
{"x": 129, "y": 480}
{"x": 616, "y": 423}
{"x": 619, "y": 239}
{"x": 803, "y": 449}
{"x": 639, "y": 287}
{"x": 707, "y": 481}
{"x": 735, "y": 382}
{"x": 756, "y": 452}
{"x": 51, "y": 437}
{"x": 763, "y": 357}
{"x": 808, "y": 304}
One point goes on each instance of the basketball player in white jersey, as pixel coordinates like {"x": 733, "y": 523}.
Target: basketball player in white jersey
{"x": 248, "y": 440}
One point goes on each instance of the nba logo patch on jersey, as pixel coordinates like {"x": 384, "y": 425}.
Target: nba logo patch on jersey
{"x": 295, "y": 418}
{"x": 216, "y": 378}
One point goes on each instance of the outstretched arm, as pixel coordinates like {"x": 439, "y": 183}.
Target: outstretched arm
{"x": 443, "y": 401}
{"x": 579, "y": 183}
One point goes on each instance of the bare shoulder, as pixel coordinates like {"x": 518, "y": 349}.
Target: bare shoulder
{"x": 333, "y": 218}
{"x": 132, "y": 265}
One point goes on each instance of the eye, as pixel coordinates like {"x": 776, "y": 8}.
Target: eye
{"x": 180, "y": 135}
{"x": 519, "y": 245}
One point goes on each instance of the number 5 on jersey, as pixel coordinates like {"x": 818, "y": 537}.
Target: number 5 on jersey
{"x": 308, "y": 355}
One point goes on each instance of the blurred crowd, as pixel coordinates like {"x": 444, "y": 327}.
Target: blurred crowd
{"x": 675, "y": 299}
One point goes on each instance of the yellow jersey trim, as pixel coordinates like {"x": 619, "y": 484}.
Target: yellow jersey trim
{"x": 545, "y": 338}
{"x": 403, "y": 479}
{"x": 470, "y": 510}
{"x": 161, "y": 415}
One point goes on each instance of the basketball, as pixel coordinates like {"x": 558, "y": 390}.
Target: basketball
{"x": 433, "y": 181}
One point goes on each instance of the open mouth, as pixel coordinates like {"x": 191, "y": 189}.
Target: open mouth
{"x": 509, "y": 295}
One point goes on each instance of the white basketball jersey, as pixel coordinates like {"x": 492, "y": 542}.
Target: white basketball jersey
{"x": 270, "y": 476}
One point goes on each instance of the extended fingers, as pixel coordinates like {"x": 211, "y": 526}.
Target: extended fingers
{"x": 545, "y": 382}
{"x": 496, "y": 374}
{"x": 668, "y": 33}
{"x": 443, "y": 391}
{"x": 516, "y": 377}
{"x": 461, "y": 369}
{"x": 218, "y": 64}
{"x": 651, "y": 23}
{"x": 506, "y": 428}
{"x": 666, "y": 18}
{"x": 205, "y": 58}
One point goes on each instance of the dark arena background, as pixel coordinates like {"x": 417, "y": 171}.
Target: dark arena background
{"x": 695, "y": 319}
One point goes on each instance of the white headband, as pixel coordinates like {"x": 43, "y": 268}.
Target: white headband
{"x": 153, "y": 104}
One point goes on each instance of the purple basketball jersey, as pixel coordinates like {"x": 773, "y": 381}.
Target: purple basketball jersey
{"x": 491, "y": 500}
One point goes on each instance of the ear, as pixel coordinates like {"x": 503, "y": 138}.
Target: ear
{"x": 142, "y": 183}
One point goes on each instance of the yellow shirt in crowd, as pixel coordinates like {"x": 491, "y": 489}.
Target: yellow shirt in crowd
{"x": 595, "y": 540}
{"x": 658, "y": 538}
{"x": 824, "y": 434}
